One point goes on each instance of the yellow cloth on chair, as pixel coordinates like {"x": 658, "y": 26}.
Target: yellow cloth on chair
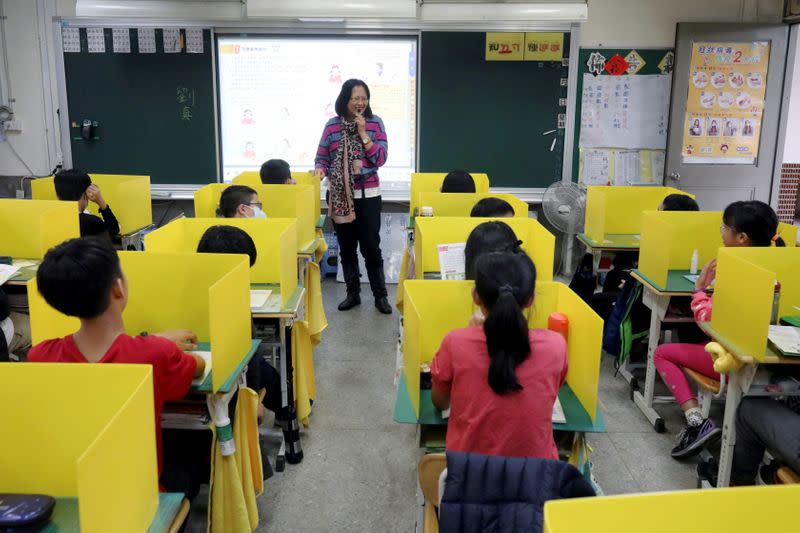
{"x": 315, "y": 312}
{"x": 232, "y": 492}
{"x": 322, "y": 247}
{"x": 303, "y": 376}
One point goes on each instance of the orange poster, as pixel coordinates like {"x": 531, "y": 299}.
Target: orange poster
{"x": 727, "y": 84}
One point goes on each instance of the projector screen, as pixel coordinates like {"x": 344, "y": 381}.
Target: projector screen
{"x": 276, "y": 93}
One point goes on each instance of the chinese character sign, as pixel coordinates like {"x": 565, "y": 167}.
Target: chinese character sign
{"x": 505, "y": 46}
{"x": 725, "y": 103}
{"x": 540, "y": 46}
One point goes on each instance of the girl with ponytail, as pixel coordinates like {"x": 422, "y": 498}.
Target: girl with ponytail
{"x": 748, "y": 223}
{"x": 501, "y": 379}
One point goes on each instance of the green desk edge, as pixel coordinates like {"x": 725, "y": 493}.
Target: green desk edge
{"x": 66, "y": 518}
{"x": 293, "y": 301}
{"x": 310, "y": 248}
{"x": 791, "y": 321}
{"x": 675, "y": 281}
{"x": 613, "y": 240}
{"x": 321, "y": 222}
{"x": 577, "y": 417}
{"x": 226, "y": 387}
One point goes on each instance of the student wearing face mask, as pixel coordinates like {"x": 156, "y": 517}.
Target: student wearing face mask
{"x": 240, "y": 201}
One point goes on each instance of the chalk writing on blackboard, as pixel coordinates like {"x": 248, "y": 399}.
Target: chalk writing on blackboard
{"x": 185, "y": 98}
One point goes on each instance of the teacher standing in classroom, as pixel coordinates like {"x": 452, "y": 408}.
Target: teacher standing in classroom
{"x": 352, "y": 148}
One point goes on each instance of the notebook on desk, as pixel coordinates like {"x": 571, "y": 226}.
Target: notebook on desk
{"x": 207, "y": 358}
{"x": 258, "y": 298}
{"x": 785, "y": 339}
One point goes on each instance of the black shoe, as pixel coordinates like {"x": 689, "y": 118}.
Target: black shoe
{"x": 708, "y": 471}
{"x": 383, "y": 306}
{"x": 692, "y": 439}
{"x": 352, "y": 300}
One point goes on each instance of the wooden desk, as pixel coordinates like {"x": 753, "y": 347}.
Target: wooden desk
{"x": 657, "y": 299}
{"x": 739, "y": 383}
{"x": 66, "y": 519}
{"x": 611, "y": 243}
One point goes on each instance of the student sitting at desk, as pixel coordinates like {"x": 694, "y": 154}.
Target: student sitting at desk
{"x": 260, "y": 375}
{"x": 76, "y": 186}
{"x": 678, "y": 202}
{"x": 458, "y": 181}
{"x": 276, "y": 172}
{"x": 494, "y": 236}
{"x": 240, "y": 201}
{"x": 492, "y": 207}
{"x": 750, "y": 223}
{"x": 83, "y": 278}
{"x": 500, "y": 380}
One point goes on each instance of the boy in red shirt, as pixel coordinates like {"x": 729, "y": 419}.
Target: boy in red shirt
{"x": 83, "y": 278}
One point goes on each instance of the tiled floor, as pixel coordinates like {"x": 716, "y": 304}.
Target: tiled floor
{"x": 359, "y": 471}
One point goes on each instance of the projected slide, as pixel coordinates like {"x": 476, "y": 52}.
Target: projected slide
{"x": 276, "y": 93}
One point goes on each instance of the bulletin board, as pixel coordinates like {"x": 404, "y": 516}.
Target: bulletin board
{"x": 621, "y": 138}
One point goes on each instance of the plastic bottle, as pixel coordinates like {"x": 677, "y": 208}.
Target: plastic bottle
{"x": 695, "y": 259}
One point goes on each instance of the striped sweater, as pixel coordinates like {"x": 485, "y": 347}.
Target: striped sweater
{"x": 374, "y": 158}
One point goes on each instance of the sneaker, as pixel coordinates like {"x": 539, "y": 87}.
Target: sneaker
{"x": 692, "y": 439}
{"x": 708, "y": 471}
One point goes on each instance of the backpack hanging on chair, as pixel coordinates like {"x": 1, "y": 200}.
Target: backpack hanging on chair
{"x": 584, "y": 281}
{"x": 629, "y": 321}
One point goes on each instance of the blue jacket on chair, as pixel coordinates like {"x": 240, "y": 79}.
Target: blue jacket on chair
{"x": 504, "y": 494}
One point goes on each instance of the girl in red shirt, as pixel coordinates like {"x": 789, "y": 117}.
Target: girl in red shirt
{"x": 501, "y": 379}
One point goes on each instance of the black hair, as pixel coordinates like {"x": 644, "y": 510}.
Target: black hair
{"x": 76, "y": 276}
{"x": 491, "y": 207}
{"x": 227, "y": 240}
{"x": 505, "y": 283}
{"x": 346, "y": 93}
{"x": 275, "y": 172}
{"x": 71, "y": 184}
{"x": 458, "y": 181}
{"x": 232, "y": 198}
{"x": 494, "y": 236}
{"x": 679, "y": 202}
{"x": 754, "y": 218}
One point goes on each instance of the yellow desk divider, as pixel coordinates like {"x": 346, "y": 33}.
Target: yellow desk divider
{"x": 31, "y": 227}
{"x": 461, "y": 204}
{"x": 433, "y": 231}
{"x": 744, "y": 291}
{"x": 206, "y": 293}
{"x": 788, "y": 233}
{"x": 614, "y": 210}
{"x": 669, "y": 238}
{"x": 274, "y": 238}
{"x": 128, "y": 196}
{"x": 279, "y": 201}
{"x": 771, "y": 508}
{"x": 252, "y": 178}
{"x": 434, "y": 308}
{"x": 432, "y": 182}
{"x": 96, "y": 442}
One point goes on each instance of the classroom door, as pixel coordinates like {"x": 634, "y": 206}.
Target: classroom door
{"x": 726, "y": 97}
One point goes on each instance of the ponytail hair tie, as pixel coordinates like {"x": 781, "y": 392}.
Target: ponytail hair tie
{"x": 505, "y": 288}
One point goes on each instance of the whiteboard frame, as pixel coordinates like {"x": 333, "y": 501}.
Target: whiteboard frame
{"x": 350, "y": 27}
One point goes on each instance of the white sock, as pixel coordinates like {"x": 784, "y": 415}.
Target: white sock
{"x": 694, "y": 417}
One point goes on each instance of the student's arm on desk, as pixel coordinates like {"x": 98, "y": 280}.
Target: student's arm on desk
{"x": 185, "y": 339}
{"x": 701, "y": 300}
{"x": 442, "y": 376}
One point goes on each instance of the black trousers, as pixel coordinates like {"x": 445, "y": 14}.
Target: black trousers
{"x": 764, "y": 424}
{"x": 363, "y": 232}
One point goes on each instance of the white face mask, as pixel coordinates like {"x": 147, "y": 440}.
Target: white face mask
{"x": 257, "y": 212}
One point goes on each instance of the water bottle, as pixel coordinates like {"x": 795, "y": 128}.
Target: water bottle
{"x": 695, "y": 259}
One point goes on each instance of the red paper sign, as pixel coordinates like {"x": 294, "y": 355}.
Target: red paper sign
{"x": 616, "y": 66}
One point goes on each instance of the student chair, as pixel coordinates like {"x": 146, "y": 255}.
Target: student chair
{"x": 787, "y": 476}
{"x": 708, "y": 389}
{"x": 430, "y": 468}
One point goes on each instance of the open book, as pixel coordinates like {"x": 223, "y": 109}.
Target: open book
{"x": 786, "y": 339}
{"x": 207, "y": 358}
{"x": 258, "y": 298}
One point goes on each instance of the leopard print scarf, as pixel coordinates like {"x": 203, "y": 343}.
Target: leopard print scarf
{"x": 345, "y": 169}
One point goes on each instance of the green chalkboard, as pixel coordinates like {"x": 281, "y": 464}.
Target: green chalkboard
{"x": 489, "y": 116}
{"x": 154, "y": 111}
{"x": 651, "y": 56}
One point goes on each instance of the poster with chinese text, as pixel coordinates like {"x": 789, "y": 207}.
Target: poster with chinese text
{"x": 725, "y": 105}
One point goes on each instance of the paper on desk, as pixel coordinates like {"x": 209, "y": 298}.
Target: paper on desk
{"x": 207, "y": 358}
{"x": 558, "y": 413}
{"x": 7, "y": 272}
{"x": 24, "y": 263}
{"x": 785, "y": 338}
{"x": 451, "y": 261}
{"x": 258, "y": 298}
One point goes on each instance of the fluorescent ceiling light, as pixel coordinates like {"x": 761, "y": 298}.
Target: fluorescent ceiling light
{"x": 528, "y": 12}
{"x": 194, "y": 9}
{"x": 321, "y": 9}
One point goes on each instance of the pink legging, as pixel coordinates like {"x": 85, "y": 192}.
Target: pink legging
{"x": 669, "y": 358}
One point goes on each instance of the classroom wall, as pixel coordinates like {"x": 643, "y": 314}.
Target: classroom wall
{"x": 651, "y": 23}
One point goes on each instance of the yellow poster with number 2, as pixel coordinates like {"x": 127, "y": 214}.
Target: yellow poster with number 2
{"x": 725, "y": 105}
